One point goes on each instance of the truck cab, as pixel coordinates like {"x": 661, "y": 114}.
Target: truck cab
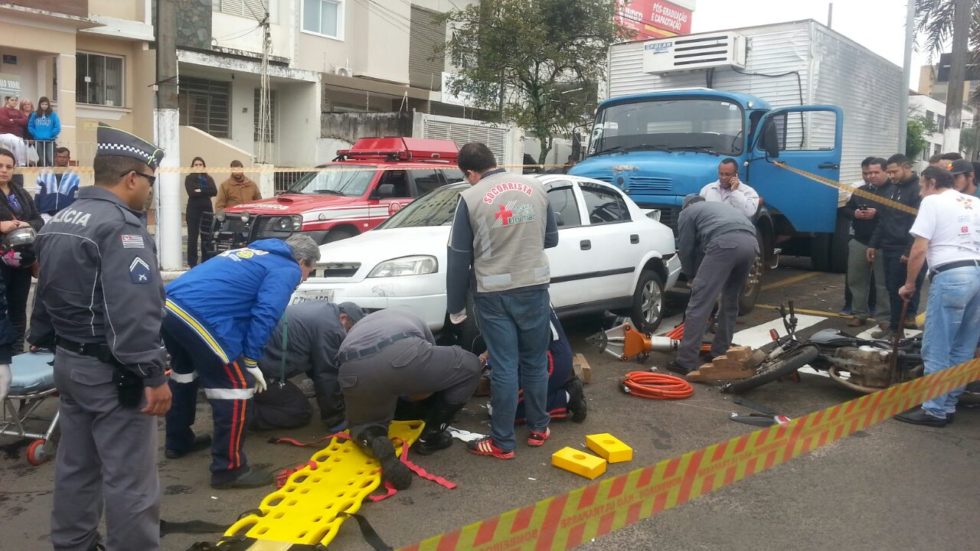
{"x": 358, "y": 190}
{"x": 661, "y": 146}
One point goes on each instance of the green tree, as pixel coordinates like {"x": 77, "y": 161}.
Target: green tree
{"x": 536, "y": 62}
{"x": 916, "y": 132}
{"x": 940, "y": 22}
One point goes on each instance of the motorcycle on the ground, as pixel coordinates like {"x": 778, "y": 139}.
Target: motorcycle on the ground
{"x": 862, "y": 365}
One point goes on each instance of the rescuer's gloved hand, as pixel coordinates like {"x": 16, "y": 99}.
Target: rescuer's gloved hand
{"x": 458, "y": 317}
{"x": 253, "y": 368}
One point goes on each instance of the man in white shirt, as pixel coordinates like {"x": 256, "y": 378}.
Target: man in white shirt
{"x": 947, "y": 235}
{"x": 729, "y": 189}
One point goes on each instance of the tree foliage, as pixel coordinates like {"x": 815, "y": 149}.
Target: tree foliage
{"x": 934, "y": 25}
{"x": 916, "y": 131}
{"x": 537, "y": 62}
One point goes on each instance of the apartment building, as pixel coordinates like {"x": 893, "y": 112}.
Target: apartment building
{"x": 92, "y": 58}
{"x": 96, "y": 60}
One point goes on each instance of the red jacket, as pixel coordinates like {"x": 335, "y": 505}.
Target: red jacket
{"x": 12, "y": 121}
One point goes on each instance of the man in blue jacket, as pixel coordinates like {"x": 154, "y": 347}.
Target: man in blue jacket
{"x": 219, "y": 316}
{"x": 56, "y": 190}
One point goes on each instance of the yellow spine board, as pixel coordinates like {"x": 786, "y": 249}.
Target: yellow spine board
{"x": 306, "y": 510}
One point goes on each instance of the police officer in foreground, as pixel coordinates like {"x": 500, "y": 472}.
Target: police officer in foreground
{"x": 100, "y": 299}
{"x": 716, "y": 244}
{"x": 305, "y": 341}
{"x": 391, "y": 354}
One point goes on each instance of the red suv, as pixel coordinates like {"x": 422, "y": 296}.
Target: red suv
{"x": 361, "y": 188}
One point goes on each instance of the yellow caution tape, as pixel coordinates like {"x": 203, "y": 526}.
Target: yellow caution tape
{"x": 308, "y": 508}
{"x": 568, "y": 520}
{"x": 847, "y": 188}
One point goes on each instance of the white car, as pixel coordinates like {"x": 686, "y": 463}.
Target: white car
{"x": 610, "y": 256}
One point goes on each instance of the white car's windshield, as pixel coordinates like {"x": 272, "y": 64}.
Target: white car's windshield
{"x": 351, "y": 181}
{"x": 435, "y": 209}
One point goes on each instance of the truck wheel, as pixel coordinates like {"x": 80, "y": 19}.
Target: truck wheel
{"x": 753, "y": 285}
{"x": 648, "y": 302}
{"x": 338, "y": 234}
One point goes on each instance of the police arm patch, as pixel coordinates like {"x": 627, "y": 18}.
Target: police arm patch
{"x": 139, "y": 271}
{"x": 132, "y": 241}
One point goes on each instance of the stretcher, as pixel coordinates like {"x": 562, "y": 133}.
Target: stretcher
{"x": 32, "y": 384}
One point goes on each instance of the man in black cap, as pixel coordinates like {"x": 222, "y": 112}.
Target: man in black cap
{"x": 305, "y": 341}
{"x": 391, "y": 355}
{"x": 717, "y": 245}
{"x": 100, "y": 299}
{"x": 964, "y": 178}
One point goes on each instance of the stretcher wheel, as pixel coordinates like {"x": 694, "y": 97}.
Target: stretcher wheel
{"x": 36, "y": 453}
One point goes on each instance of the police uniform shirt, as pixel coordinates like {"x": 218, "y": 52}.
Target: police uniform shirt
{"x": 99, "y": 282}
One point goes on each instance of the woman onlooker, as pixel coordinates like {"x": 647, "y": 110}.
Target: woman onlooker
{"x": 27, "y": 108}
{"x": 12, "y": 120}
{"x": 200, "y": 189}
{"x": 44, "y": 126}
{"x": 17, "y": 210}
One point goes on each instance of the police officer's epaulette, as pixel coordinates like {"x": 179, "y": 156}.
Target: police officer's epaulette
{"x": 129, "y": 217}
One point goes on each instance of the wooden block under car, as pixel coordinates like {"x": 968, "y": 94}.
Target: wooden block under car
{"x": 582, "y": 368}
{"x": 579, "y": 462}
{"x": 609, "y": 447}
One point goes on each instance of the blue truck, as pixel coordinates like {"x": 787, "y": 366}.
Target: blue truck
{"x": 793, "y": 95}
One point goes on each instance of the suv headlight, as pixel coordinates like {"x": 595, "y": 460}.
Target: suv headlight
{"x": 406, "y": 266}
{"x": 288, "y": 223}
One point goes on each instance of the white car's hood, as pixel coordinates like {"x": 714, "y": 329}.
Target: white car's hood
{"x": 374, "y": 247}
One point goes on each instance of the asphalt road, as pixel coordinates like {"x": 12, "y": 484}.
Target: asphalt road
{"x": 893, "y": 486}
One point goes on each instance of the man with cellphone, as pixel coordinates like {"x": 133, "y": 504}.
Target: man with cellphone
{"x": 729, "y": 189}
{"x": 863, "y": 213}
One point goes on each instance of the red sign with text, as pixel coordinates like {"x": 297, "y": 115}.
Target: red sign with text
{"x": 653, "y": 18}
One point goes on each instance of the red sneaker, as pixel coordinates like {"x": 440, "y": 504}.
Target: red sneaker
{"x": 537, "y": 438}
{"x": 485, "y": 446}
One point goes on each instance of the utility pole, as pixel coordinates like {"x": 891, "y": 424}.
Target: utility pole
{"x": 265, "y": 95}
{"x": 830, "y": 15}
{"x": 903, "y": 100}
{"x": 957, "y": 73}
{"x": 167, "y": 137}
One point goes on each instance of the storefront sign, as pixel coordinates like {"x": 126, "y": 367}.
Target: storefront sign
{"x": 9, "y": 84}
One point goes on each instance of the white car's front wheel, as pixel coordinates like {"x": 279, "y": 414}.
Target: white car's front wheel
{"x": 648, "y": 302}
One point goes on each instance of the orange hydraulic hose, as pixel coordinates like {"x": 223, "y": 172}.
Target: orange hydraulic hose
{"x": 656, "y": 386}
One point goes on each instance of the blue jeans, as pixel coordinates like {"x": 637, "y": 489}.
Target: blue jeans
{"x": 515, "y": 327}
{"x": 895, "y": 272}
{"x": 952, "y": 329}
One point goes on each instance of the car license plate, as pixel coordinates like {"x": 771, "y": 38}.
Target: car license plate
{"x": 311, "y": 295}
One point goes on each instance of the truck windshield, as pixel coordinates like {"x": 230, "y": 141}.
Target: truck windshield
{"x": 336, "y": 180}
{"x": 437, "y": 208}
{"x": 707, "y": 125}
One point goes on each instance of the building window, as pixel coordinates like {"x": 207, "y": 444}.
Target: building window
{"x": 270, "y": 135}
{"x": 940, "y": 123}
{"x": 252, "y": 9}
{"x": 99, "y": 79}
{"x": 205, "y": 105}
{"x": 425, "y": 61}
{"x": 325, "y": 17}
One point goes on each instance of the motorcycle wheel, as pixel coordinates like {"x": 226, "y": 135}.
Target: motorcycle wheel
{"x": 770, "y": 371}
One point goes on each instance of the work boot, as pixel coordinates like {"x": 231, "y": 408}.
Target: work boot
{"x": 249, "y": 478}
{"x": 201, "y": 442}
{"x": 435, "y": 436}
{"x": 576, "y": 400}
{"x": 857, "y": 322}
{"x": 375, "y": 441}
{"x": 920, "y": 417}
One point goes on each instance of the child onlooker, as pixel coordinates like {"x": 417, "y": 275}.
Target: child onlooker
{"x": 44, "y": 126}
